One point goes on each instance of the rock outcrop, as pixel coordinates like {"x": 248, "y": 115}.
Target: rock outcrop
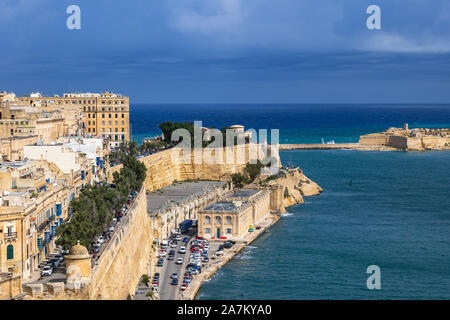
{"x": 295, "y": 185}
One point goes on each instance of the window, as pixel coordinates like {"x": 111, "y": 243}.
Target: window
{"x": 229, "y": 231}
{"x": 228, "y": 220}
{"x": 207, "y": 230}
{"x": 10, "y": 252}
{"x": 109, "y": 115}
{"x": 93, "y": 115}
{"x": 109, "y": 122}
{"x": 89, "y": 115}
{"x": 116, "y": 115}
{"x": 123, "y": 123}
{"x": 207, "y": 220}
{"x": 218, "y": 220}
{"x": 117, "y": 130}
{"x": 123, "y": 116}
{"x": 103, "y": 115}
{"x": 103, "y": 129}
{"x": 103, "y": 123}
{"x": 116, "y": 123}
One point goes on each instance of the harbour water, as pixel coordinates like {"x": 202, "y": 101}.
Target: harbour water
{"x": 390, "y": 209}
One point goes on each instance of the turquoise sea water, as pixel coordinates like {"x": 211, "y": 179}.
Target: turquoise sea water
{"x": 395, "y": 213}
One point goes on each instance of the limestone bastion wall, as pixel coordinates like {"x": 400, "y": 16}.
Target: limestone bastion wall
{"x": 169, "y": 165}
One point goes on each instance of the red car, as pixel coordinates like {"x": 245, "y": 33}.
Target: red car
{"x": 183, "y": 286}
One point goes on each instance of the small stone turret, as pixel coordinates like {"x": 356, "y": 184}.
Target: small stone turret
{"x": 78, "y": 267}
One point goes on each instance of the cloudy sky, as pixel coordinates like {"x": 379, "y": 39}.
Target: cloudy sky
{"x": 230, "y": 51}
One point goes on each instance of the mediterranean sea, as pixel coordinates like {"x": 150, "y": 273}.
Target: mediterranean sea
{"x": 390, "y": 209}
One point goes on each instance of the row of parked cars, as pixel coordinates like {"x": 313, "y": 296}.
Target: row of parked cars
{"x": 54, "y": 261}
{"x": 198, "y": 256}
{"x": 106, "y": 235}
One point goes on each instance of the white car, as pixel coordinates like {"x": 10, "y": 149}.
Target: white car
{"x": 179, "y": 261}
{"x": 162, "y": 253}
{"x": 47, "y": 271}
{"x": 182, "y": 250}
{"x": 111, "y": 229}
{"x": 219, "y": 253}
{"x": 173, "y": 245}
{"x": 178, "y": 238}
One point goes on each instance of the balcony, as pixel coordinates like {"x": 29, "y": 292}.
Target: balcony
{"x": 43, "y": 225}
{"x": 10, "y": 236}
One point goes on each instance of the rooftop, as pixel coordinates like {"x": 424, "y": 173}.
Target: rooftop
{"x": 226, "y": 206}
{"x": 243, "y": 193}
{"x": 179, "y": 193}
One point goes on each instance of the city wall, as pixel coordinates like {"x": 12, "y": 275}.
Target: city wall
{"x": 126, "y": 257}
{"x": 166, "y": 166}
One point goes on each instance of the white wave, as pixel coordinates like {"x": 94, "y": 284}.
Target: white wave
{"x": 287, "y": 214}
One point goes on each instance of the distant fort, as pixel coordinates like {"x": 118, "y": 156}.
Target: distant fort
{"x": 418, "y": 139}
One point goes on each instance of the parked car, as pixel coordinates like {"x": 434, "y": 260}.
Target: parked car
{"x": 182, "y": 250}
{"x": 162, "y": 253}
{"x": 185, "y": 239}
{"x": 227, "y": 245}
{"x": 178, "y": 237}
{"x": 180, "y": 261}
{"x": 47, "y": 271}
{"x": 174, "y": 282}
{"x": 205, "y": 259}
{"x": 60, "y": 258}
{"x": 183, "y": 286}
{"x": 174, "y": 275}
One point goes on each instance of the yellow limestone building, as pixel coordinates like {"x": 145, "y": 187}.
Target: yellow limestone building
{"x": 106, "y": 114}
{"x": 232, "y": 217}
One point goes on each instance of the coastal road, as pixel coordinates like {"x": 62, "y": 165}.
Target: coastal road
{"x": 166, "y": 290}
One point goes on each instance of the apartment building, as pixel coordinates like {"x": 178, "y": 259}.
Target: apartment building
{"x": 104, "y": 115}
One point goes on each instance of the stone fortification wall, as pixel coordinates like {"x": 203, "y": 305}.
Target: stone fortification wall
{"x": 127, "y": 256}
{"x": 169, "y": 165}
